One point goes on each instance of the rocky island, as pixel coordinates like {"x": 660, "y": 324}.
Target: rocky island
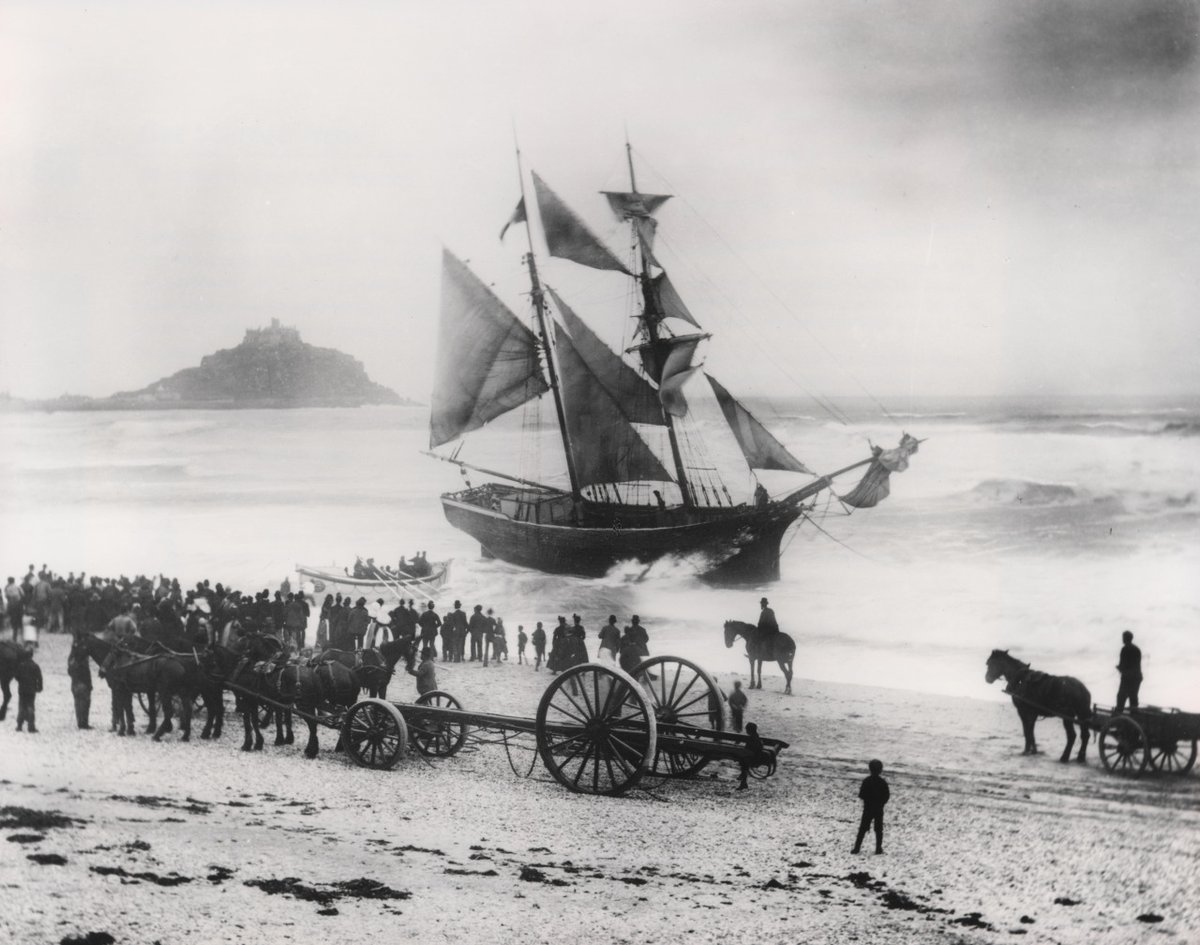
{"x": 272, "y": 367}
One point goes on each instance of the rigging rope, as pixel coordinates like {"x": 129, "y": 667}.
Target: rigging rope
{"x": 833, "y": 412}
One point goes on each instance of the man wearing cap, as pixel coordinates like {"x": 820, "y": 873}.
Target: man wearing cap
{"x": 457, "y": 621}
{"x": 429, "y": 622}
{"x": 766, "y": 619}
{"x": 477, "y": 625}
{"x": 1129, "y": 665}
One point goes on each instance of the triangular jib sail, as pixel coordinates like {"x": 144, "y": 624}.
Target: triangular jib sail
{"x": 487, "y": 361}
{"x": 761, "y": 449}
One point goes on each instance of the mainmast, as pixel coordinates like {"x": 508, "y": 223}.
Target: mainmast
{"x": 650, "y": 318}
{"x": 539, "y": 305}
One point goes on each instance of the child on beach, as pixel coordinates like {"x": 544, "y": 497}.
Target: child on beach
{"x": 426, "y": 673}
{"x": 29, "y": 684}
{"x": 539, "y": 646}
{"x": 874, "y": 794}
{"x": 522, "y": 639}
{"x": 755, "y": 754}
{"x": 737, "y": 704}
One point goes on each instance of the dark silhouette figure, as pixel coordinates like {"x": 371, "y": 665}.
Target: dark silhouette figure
{"x": 756, "y": 754}
{"x": 1039, "y": 695}
{"x": 29, "y": 684}
{"x": 874, "y": 794}
{"x": 1129, "y": 665}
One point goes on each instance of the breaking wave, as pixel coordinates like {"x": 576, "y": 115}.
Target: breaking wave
{"x": 1026, "y": 492}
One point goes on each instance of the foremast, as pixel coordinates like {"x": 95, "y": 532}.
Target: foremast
{"x": 539, "y": 305}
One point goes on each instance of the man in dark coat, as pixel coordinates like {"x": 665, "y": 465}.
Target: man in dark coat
{"x": 766, "y": 618}
{"x": 357, "y": 622}
{"x": 429, "y": 622}
{"x": 457, "y": 619}
{"x": 1129, "y": 665}
{"x": 477, "y": 626}
{"x": 610, "y": 640}
{"x": 80, "y": 672}
{"x": 539, "y": 646}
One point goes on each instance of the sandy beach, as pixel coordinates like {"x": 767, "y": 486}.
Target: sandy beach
{"x": 200, "y": 843}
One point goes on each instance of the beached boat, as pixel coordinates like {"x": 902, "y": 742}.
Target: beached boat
{"x": 642, "y": 484}
{"x": 328, "y": 580}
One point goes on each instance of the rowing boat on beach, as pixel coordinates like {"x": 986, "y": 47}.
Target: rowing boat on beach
{"x": 327, "y": 579}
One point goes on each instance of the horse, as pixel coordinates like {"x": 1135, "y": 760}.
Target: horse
{"x": 763, "y": 647}
{"x": 256, "y": 670}
{"x": 127, "y": 672}
{"x": 1039, "y": 695}
{"x": 10, "y": 655}
{"x": 372, "y": 668}
{"x": 211, "y": 693}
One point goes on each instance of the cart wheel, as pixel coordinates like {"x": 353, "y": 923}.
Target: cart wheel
{"x": 437, "y": 738}
{"x": 1123, "y": 746}
{"x": 374, "y": 733}
{"x": 1173, "y": 757}
{"x": 596, "y": 731}
{"x": 682, "y": 694}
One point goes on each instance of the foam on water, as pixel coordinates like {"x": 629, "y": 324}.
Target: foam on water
{"x": 1044, "y": 532}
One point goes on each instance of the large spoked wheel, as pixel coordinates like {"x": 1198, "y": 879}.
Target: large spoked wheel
{"x": 437, "y": 738}
{"x": 596, "y": 731}
{"x": 681, "y": 693}
{"x": 1123, "y": 747}
{"x": 1173, "y": 757}
{"x": 374, "y": 733}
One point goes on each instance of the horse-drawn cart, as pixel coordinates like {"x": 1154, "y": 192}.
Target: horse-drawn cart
{"x": 1162, "y": 740}
{"x": 598, "y": 730}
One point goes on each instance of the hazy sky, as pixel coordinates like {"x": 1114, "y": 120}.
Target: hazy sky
{"x": 916, "y": 198}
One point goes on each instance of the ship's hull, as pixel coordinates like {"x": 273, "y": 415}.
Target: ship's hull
{"x": 737, "y": 545}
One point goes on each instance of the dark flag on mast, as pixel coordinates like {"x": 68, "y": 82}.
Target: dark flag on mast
{"x": 517, "y": 217}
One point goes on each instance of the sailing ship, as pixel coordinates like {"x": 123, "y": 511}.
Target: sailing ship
{"x": 641, "y": 483}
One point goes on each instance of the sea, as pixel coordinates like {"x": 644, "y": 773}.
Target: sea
{"x": 1044, "y": 527}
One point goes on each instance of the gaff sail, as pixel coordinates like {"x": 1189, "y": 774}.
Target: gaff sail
{"x": 605, "y": 447}
{"x": 759, "y": 446}
{"x": 487, "y": 361}
{"x": 874, "y": 487}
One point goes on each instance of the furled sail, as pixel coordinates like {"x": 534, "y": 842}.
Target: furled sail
{"x": 629, "y": 391}
{"x": 487, "y": 361}
{"x": 874, "y": 486}
{"x": 605, "y": 447}
{"x": 761, "y": 449}
{"x": 567, "y": 236}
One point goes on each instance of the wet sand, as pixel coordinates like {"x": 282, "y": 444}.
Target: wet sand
{"x": 198, "y": 842}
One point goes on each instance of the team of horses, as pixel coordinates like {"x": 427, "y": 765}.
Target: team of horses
{"x": 170, "y": 677}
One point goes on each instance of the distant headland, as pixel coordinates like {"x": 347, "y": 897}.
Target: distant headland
{"x": 272, "y": 367}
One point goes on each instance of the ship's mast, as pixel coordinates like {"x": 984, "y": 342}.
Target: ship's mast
{"x": 539, "y": 305}
{"x": 650, "y": 321}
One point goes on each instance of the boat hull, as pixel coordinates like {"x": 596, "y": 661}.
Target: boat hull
{"x": 738, "y": 546}
{"x": 326, "y": 580}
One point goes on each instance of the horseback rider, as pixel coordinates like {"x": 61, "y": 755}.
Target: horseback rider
{"x": 766, "y": 618}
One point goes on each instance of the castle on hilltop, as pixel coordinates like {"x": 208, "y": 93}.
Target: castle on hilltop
{"x": 272, "y": 336}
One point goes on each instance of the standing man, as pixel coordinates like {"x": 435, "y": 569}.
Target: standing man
{"x": 1129, "y": 665}
{"x": 29, "y": 684}
{"x": 610, "y": 641}
{"x": 477, "y": 625}
{"x": 295, "y": 620}
{"x": 357, "y": 622}
{"x": 80, "y": 672}
{"x": 448, "y": 625}
{"x": 539, "y": 646}
{"x": 429, "y": 621}
{"x": 766, "y": 619}
{"x": 458, "y": 621}
{"x": 14, "y": 602}
{"x": 489, "y": 633}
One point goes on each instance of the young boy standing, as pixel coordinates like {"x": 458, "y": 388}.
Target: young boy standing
{"x": 29, "y": 684}
{"x": 737, "y": 704}
{"x": 522, "y": 639}
{"x": 874, "y": 794}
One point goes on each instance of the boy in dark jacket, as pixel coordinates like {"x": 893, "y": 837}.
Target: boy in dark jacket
{"x": 80, "y": 672}
{"x": 29, "y": 684}
{"x": 874, "y": 794}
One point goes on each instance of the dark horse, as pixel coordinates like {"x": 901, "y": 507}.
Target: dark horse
{"x": 10, "y": 654}
{"x": 761, "y": 648}
{"x": 1039, "y": 695}
{"x": 256, "y": 670}
{"x": 373, "y": 669}
{"x": 128, "y": 672}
